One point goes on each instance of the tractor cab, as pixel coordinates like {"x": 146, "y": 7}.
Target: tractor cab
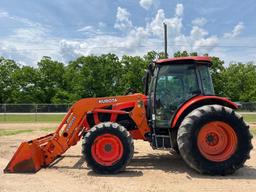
{"x": 171, "y": 82}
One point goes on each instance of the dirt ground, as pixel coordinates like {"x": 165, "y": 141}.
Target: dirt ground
{"x": 150, "y": 170}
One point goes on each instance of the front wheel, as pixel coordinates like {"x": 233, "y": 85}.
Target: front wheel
{"x": 214, "y": 140}
{"x": 107, "y": 148}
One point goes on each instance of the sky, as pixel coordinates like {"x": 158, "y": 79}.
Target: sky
{"x": 67, "y": 29}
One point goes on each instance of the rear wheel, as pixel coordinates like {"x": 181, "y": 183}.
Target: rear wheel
{"x": 213, "y": 139}
{"x": 107, "y": 148}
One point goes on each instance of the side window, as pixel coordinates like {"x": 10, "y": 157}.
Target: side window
{"x": 206, "y": 80}
{"x": 169, "y": 87}
{"x": 191, "y": 83}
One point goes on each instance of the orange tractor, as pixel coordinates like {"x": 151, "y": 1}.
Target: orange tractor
{"x": 177, "y": 111}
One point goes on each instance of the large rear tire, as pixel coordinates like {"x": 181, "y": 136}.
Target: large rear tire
{"x": 107, "y": 148}
{"x": 214, "y": 140}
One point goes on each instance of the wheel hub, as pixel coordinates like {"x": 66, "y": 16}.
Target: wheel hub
{"x": 217, "y": 141}
{"x": 212, "y": 139}
{"x": 107, "y": 149}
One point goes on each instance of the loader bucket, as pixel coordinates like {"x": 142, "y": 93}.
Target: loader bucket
{"x": 27, "y": 159}
{"x": 42, "y": 151}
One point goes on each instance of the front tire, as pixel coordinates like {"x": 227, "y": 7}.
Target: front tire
{"x": 214, "y": 140}
{"x": 107, "y": 148}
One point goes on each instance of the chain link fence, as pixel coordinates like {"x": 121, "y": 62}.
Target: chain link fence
{"x": 32, "y": 112}
{"x": 63, "y": 108}
{"x": 55, "y": 112}
{"x": 247, "y": 106}
{"x": 34, "y": 108}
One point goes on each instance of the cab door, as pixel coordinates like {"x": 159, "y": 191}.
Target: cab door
{"x": 174, "y": 85}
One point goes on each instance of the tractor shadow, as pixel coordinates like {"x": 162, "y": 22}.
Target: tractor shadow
{"x": 77, "y": 160}
{"x": 168, "y": 163}
{"x": 173, "y": 163}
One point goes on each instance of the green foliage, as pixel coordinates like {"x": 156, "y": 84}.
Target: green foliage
{"x": 217, "y": 69}
{"x": 106, "y": 75}
{"x": 51, "y": 79}
{"x": 184, "y": 54}
{"x": 240, "y": 82}
{"x": 26, "y": 83}
{"x": 134, "y": 69}
{"x": 8, "y": 85}
{"x": 94, "y": 76}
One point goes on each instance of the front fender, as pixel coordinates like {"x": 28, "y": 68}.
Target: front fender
{"x": 196, "y": 102}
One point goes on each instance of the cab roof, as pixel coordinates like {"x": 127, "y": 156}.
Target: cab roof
{"x": 202, "y": 59}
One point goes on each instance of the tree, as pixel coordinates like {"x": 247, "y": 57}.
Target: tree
{"x": 26, "y": 81}
{"x": 153, "y": 56}
{"x": 184, "y": 54}
{"x": 181, "y": 54}
{"x": 240, "y": 82}
{"x": 94, "y": 76}
{"x": 106, "y": 75}
{"x": 7, "y": 83}
{"x": 50, "y": 78}
{"x": 134, "y": 70}
{"x": 217, "y": 70}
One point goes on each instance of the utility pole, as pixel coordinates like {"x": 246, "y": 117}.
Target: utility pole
{"x": 165, "y": 41}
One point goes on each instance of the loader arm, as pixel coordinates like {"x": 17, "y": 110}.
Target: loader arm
{"x": 41, "y": 152}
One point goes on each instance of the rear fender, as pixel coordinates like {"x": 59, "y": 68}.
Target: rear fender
{"x": 196, "y": 102}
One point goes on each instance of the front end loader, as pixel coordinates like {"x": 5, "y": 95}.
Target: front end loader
{"x": 178, "y": 111}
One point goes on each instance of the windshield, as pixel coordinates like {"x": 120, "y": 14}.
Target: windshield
{"x": 175, "y": 84}
{"x": 206, "y": 80}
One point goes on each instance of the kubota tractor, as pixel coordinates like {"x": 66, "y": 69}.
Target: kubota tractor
{"x": 177, "y": 111}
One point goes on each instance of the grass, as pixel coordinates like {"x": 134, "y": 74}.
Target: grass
{"x": 253, "y": 131}
{"x": 14, "y": 132}
{"x": 250, "y": 118}
{"x": 48, "y": 129}
{"x": 5, "y": 132}
{"x": 29, "y": 118}
{"x": 56, "y": 118}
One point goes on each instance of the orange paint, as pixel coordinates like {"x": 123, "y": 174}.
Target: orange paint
{"x": 217, "y": 141}
{"x": 44, "y": 150}
{"x": 107, "y": 149}
{"x": 198, "y": 99}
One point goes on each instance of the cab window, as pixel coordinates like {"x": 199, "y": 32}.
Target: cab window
{"x": 175, "y": 84}
{"x": 206, "y": 80}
